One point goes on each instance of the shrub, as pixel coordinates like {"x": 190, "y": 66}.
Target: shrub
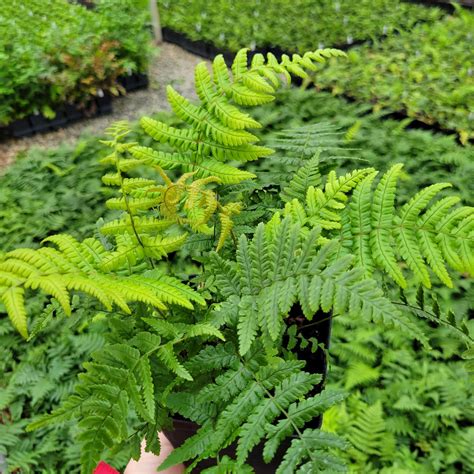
{"x": 56, "y": 52}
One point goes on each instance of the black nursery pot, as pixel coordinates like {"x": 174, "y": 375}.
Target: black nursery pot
{"x": 316, "y": 362}
{"x": 89, "y": 4}
{"x": 183, "y": 429}
{"x": 134, "y": 81}
{"x": 104, "y": 104}
{"x": 19, "y": 128}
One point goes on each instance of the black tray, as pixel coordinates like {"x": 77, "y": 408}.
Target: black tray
{"x": 65, "y": 115}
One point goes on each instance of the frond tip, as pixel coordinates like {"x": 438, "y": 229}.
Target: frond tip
{"x": 79, "y": 266}
{"x": 215, "y": 128}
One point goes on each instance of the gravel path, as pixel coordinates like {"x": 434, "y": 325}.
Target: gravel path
{"x": 172, "y": 65}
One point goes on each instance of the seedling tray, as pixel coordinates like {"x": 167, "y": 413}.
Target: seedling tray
{"x": 70, "y": 113}
{"x": 65, "y": 115}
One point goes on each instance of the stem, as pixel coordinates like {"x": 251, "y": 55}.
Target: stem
{"x": 433, "y": 316}
{"x": 332, "y": 316}
{"x": 289, "y": 418}
{"x": 129, "y": 211}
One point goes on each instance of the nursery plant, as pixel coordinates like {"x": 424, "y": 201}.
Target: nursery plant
{"x": 330, "y": 22}
{"x": 56, "y": 52}
{"x": 427, "y": 73}
{"x": 208, "y": 279}
{"x": 68, "y": 199}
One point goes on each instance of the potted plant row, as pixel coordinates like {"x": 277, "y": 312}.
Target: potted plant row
{"x": 64, "y": 62}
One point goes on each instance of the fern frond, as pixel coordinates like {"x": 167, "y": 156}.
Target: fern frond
{"x": 252, "y": 397}
{"x": 283, "y": 265}
{"x": 78, "y": 266}
{"x": 199, "y": 117}
{"x": 219, "y": 105}
{"x": 141, "y": 224}
{"x": 379, "y": 235}
{"x": 359, "y": 373}
{"x": 225, "y": 217}
{"x": 306, "y": 176}
{"x": 203, "y": 169}
{"x": 323, "y": 206}
{"x": 367, "y": 432}
{"x": 298, "y": 414}
{"x": 216, "y": 127}
{"x": 360, "y": 219}
{"x": 13, "y": 299}
{"x": 408, "y": 239}
{"x": 290, "y": 390}
{"x": 307, "y": 454}
{"x": 183, "y": 139}
{"x": 382, "y": 214}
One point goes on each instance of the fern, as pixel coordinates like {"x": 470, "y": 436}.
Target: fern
{"x": 265, "y": 393}
{"x": 120, "y": 378}
{"x": 283, "y": 265}
{"x": 367, "y": 433}
{"x": 78, "y": 266}
{"x": 208, "y": 336}
{"x": 300, "y": 144}
{"x": 216, "y": 127}
{"x": 307, "y": 176}
{"x": 422, "y": 398}
{"x": 379, "y": 235}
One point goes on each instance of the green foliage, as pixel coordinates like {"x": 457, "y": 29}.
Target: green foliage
{"x": 81, "y": 266}
{"x": 292, "y": 26}
{"x": 37, "y": 380}
{"x": 375, "y": 232}
{"x": 413, "y": 73}
{"x": 216, "y": 127}
{"x": 248, "y": 399}
{"x": 427, "y": 157}
{"x": 67, "y": 189}
{"x": 231, "y": 347}
{"x": 111, "y": 268}
{"x": 282, "y": 265}
{"x": 57, "y": 52}
{"x": 417, "y": 416}
{"x": 120, "y": 380}
{"x": 37, "y": 376}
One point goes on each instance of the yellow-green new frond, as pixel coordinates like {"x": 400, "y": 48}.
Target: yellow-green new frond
{"x": 202, "y": 120}
{"x": 159, "y": 246}
{"x": 216, "y": 103}
{"x": 141, "y": 224}
{"x": 215, "y": 126}
{"x": 84, "y": 255}
{"x": 183, "y": 139}
{"x": 78, "y": 266}
{"x": 225, "y": 217}
{"x": 14, "y": 300}
{"x": 204, "y": 168}
{"x": 133, "y": 205}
